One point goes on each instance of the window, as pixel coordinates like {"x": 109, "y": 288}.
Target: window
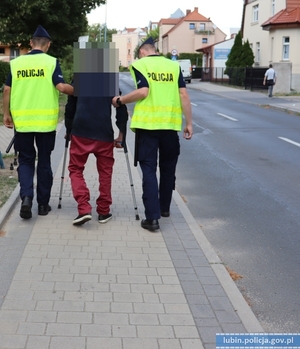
{"x": 272, "y": 49}
{"x": 204, "y": 40}
{"x": 14, "y": 53}
{"x": 192, "y": 26}
{"x": 286, "y": 48}
{"x": 257, "y": 58}
{"x": 202, "y": 27}
{"x": 128, "y": 40}
{"x": 2, "y": 50}
{"x": 273, "y": 7}
{"x": 255, "y": 13}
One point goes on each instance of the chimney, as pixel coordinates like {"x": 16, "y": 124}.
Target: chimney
{"x": 196, "y": 9}
{"x": 291, "y": 5}
{"x": 187, "y": 12}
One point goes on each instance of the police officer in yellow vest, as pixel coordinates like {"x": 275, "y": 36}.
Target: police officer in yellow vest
{"x": 161, "y": 98}
{"x": 31, "y": 106}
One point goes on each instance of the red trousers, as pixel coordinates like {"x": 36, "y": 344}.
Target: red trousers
{"x": 80, "y": 149}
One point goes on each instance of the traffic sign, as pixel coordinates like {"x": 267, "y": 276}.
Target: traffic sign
{"x": 174, "y": 52}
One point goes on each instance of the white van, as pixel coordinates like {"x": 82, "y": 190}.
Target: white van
{"x": 186, "y": 69}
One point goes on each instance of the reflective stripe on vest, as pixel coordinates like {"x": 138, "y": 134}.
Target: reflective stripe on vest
{"x": 161, "y": 109}
{"x": 34, "y": 99}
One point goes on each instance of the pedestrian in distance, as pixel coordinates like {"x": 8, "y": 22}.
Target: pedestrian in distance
{"x": 270, "y": 80}
{"x": 88, "y": 121}
{"x": 161, "y": 98}
{"x": 31, "y": 106}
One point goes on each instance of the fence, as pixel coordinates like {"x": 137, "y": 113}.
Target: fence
{"x": 249, "y": 77}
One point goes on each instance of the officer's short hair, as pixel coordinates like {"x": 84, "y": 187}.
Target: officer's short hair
{"x": 40, "y": 41}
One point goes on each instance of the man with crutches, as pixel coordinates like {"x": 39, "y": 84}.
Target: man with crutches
{"x": 88, "y": 121}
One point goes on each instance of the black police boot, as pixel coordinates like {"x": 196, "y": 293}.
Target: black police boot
{"x": 26, "y": 205}
{"x": 149, "y": 224}
{"x": 44, "y": 210}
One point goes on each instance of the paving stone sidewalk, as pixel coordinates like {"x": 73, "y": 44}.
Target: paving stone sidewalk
{"x": 116, "y": 285}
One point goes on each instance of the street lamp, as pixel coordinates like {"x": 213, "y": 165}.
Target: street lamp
{"x": 105, "y": 29}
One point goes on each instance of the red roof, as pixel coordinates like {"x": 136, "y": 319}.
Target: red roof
{"x": 194, "y": 16}
{"x": 131, "y": 30}
{"x": 171, "y": 21}
{"x": 285, "y": 17}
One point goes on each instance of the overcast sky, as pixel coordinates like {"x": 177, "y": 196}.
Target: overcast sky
{"x": 137, "y": 13}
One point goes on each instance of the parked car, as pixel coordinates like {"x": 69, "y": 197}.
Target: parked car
{"x": 186, "y": 69}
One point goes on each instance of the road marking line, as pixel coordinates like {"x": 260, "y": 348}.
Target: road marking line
{"x": 227, "y": 117}
{"x": 195, "y": 105}
{"x": 289, "y": 141}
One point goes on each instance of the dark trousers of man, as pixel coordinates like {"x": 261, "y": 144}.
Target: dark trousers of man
{"x": 25, "y": 146}
{"x": 162, "y": 146}
{"x": 80, "y": 149}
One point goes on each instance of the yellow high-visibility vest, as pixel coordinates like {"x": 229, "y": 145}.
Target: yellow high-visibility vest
{"x": 161, "y": 109}
{"x": 34, "y": 100}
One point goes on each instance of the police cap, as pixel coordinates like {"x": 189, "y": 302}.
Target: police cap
{"x": 148, "y": 41}
{"x": 41, "y": 33}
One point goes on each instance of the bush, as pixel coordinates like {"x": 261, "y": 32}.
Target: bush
{"x": 123, "y": 69}
{"x": 66, "y": 64}
{"x": 4, "y": 70}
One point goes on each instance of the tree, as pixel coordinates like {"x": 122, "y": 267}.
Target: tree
{"x": 96, "y": 32}
{"x": 234, "y": 56}
{"x": 64, "y": 20}
{"x": 240, "y": 57}
{"x": 155, "y": 36}
{"x": 247, "y": 55}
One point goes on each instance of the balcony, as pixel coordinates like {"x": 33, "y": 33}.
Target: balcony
{"x": 205, "y": 32}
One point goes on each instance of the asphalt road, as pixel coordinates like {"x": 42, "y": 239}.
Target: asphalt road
{"x": 239, "y": 176}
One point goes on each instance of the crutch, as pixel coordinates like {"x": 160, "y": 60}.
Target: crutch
{"x": 15, "y": 163}
{"x": 10, "y": 144}
{"x": 137, "y": 217}
{"x": 63, "y": 170}
{"x": 122, "y": 117}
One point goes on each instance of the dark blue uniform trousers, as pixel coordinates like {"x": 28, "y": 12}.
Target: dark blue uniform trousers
{"x": 162, "y": 146}
{"x": 25, "y": 146}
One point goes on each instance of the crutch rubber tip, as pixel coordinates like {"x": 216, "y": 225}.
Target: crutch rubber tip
{"x": 59, "y": 206}
{"x": 137, "y": 217}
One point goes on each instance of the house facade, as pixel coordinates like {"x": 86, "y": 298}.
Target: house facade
{"x": 273, "y": 30}
{"x": 126, "y": 41}
{"x": 188, "y": 33}
{"x": 181, "y": 33}
{"x": 214, "y": 58}
{"x": 7, "y": 53}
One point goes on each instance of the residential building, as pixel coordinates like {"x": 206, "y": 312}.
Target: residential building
{"x": 152, "y": 26}
{"x": 188, "y": 33}
{"x": 214, "y": 58}
{"x": 180, "y": 33}
{"x": 7, "y": 53}
{"x": 273, "y": 30}
{"x": 126, "y": 41}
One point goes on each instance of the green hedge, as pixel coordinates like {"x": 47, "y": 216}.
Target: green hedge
{"x": 4, "y": 70}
